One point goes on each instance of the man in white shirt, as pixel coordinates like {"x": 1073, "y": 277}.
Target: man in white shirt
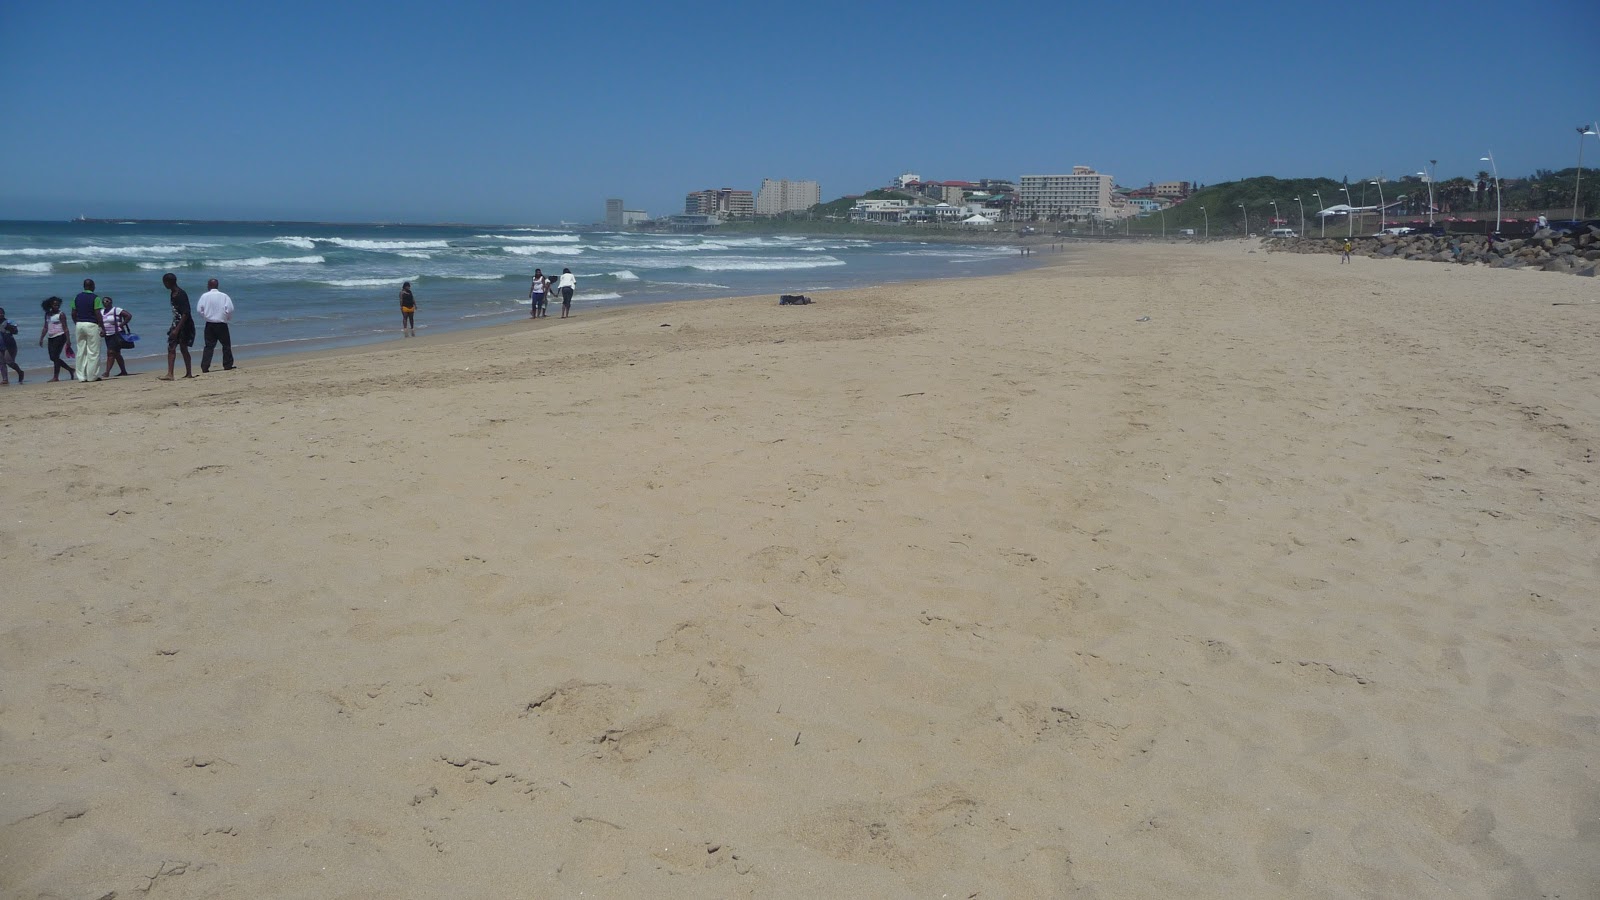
{"x": 566, "y": 284}
{"x": 216, "y": 308}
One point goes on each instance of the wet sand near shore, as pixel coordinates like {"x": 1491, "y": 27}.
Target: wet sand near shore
{"x": 1160, "y": 570}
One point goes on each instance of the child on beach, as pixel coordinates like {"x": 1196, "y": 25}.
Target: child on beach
{"x": 408, "y": 311}
{"x": 1344, "y": 252}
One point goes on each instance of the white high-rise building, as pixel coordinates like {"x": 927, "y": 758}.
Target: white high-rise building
{"x": 1083, "y": 194}
{"x": 614, "y": 212}
{"x": 781, "y": 196}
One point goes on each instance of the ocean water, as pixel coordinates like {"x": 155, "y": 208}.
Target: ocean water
{"x": 302, "y": 287}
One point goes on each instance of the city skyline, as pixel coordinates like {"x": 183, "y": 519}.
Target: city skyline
{"x": 412, "y": 112}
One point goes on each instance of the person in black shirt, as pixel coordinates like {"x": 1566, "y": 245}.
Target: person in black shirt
{"x": 181, "y": 335}
{"x": 88, "y": 333}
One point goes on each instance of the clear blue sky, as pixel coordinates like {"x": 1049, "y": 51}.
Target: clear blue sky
{"x": 535, "y": 112}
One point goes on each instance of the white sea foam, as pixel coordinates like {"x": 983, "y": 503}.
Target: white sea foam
{"x": 414, "y": 254}
{"x": 695, "y": 284}
{"x": 366, "y": 282}
{"x": 532, "y": 238}
{"x": 757, "y": 264}
{"x": 261, "y": 262}
{"x": 299, "y": 243}
{"x": 357, "y": 244}
{"x": 40, "y": 267}
{"x": 599, "y": 297}
{"x": 544, "y": 250}
{"x": 624, "y": 275}
{"x": 470, "y": 277}
{"x": 155, "y": 250}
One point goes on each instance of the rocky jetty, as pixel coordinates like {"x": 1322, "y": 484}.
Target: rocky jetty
{"x": 1573, "y": 254}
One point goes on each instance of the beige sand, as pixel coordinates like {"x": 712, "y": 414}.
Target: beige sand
{"x": 982, "y": 590}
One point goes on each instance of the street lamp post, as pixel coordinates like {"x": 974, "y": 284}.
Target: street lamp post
{"x": 1433, "y": 166}
{"x": 1302, "y": 216}
{"x": 1163, "y": 214}
{"x": 1322, "y": 220}
{"x": 1275, "y": 216}
{"x": 1497, "y": 209}
{"x": 1349, "y": 217}
{"x": 1246, "y": 220}
{"x": 1380, "y": 206}
{"x": 1583, "y": 131}
{"x": 1208, "y": 222}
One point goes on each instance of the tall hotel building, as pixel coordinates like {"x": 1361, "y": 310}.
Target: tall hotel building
{"x": 1084, "y": 193}
{"x": 786, "y": 196}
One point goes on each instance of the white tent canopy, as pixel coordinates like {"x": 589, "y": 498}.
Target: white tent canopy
{"x": 977, "y": 220}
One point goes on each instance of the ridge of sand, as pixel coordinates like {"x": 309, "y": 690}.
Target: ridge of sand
{"x": 957, "y": 589}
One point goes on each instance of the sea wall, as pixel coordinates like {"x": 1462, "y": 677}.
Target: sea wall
{"x": 1573, "y": 254}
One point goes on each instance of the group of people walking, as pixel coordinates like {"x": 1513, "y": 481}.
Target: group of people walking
{"x": 87, "y": 341}
{"x": 563, "y": 285}
{"x": 539, "y": 294}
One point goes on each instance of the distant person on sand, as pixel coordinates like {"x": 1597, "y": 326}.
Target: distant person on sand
{"x": 408, "y": 311}
{"x": 86, "y": 332}
{"x": 8, "y": 350}
{"x": 216, "y": 308}
{"x": 537, "y": 294}
{"x": 114, "y": 324}
{"x": 566, "y": 284}
{"x": 181, "y": 335}
{"x": 1344, "y": 252}
{"x": 55, "y": 330}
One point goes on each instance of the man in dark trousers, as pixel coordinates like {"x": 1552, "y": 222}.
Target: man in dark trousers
{"x": 216, "y": 308}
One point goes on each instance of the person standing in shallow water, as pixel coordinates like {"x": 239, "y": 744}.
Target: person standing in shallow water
{"x": 566, "y": 284}
{"x": 537, "y": 294}
{"x": 181, "y": 335}
{"x": 408, "y": 311}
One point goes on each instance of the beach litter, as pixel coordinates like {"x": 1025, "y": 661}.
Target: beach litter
{"x": 793, "y": 299}
{"x": 1142, "y": 319}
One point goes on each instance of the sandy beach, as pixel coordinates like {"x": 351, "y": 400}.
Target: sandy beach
{"x": 1159, "y": 571}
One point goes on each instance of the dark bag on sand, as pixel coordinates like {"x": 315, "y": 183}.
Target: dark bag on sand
{"x": 793, "y": 299}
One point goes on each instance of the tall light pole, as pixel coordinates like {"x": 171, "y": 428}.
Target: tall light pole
{"x": 1322, "y": 220}
{"x": 1490, "y": 160}
{"x": 1583, "y": 131}
{"x": 1246, "y": 220}
{"x": 1163, "y": 223}
{"x": 1302, "y": 216}
{"x": 1275, "y": 216}
{"x": 1380, "y": 206}
{"x": 1208, "y": 222}
{"x": 1349, "y": 217}
{"x": 1433, "y": 175}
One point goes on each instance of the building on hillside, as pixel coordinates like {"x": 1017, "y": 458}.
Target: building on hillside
{"x": 779, "y": 196}
{"x": 906, "y": 179}
{"x": 725, "y": 203}
{"x": 614, "y": 212}
{"x": 1085, "y": 194}
{"x": 1173, "y": 190}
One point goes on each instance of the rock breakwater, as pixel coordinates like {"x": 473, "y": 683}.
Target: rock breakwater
{"x": 1570, "y": 253}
